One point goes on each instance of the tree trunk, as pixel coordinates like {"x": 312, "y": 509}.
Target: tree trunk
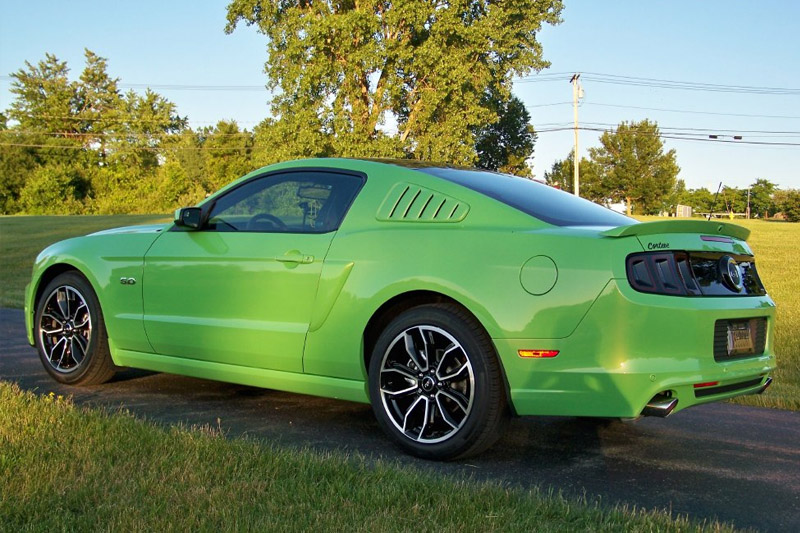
{"x": 628, "y": 205}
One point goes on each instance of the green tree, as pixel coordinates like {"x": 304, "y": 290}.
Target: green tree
{"x": 45, "y": 130}
{"x": 634, "y": 167}
{"x": 82, "y": 138}
{"x": 16, "y": 164}
{"x": 339, "y": 70}
{"x": 174, "y": 188}
{"x": 732, "y": 200}
{"x": 788, "y": 202}
{"x": 677, "y": 196}
{"x": 45, "y": 99}
{"x": 506, "y": 144}
{"x": 52, "y": 190}
{"x": 700, "y": 200}
{"x": 97, "y": 103}
{"x": 761, "y": 197}
{"x": 226, "y": 154}
{"x": 562, "y": 175}
{"x": 185, "y": 149}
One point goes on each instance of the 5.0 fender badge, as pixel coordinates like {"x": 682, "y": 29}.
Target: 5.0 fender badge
{"x": 127, "y": 281}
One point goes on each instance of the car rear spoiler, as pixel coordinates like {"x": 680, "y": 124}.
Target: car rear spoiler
{"x": 705, "y": 227}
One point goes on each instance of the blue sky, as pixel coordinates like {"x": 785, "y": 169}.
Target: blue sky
{"x": 752, "y": 44}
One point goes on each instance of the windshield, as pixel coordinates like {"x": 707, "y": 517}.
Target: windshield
{"x": 536, "y": 199}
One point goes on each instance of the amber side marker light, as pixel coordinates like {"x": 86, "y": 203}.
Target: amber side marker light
{"x": 706, "y": 384}
{"x": 537, "y": 354}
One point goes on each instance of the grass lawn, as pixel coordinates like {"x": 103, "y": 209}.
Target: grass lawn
{"x": 67, "y": 468}
{"x": 22, "y": 238}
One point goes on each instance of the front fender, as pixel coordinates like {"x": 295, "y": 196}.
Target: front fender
{"x": 103, "y": 259}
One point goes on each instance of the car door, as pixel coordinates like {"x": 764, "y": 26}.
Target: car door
{"x": 240, "y": 290}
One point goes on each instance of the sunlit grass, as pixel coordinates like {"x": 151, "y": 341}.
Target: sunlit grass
{"x": 64, "y": 468}
{"x": 775, "y": 245}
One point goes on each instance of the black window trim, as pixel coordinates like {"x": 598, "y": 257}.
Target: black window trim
{"x": 212, "y": 201}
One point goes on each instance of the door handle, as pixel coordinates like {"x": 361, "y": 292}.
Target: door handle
{"x": 295, "y": 257}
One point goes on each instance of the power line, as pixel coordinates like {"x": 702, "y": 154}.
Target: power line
{"x": 681, "y": 136}
{"x": 709, "y": 131}
{"x": 90, "y": 135}
{"x": 636, "y": 81}
{"x": 599, "y": 77}
{"x": 545, "y": 127}
{"x": 138, "y": 121}
{"x": 695, "y": 137}
{"x": 688, "y": 85}
{"x": 97, "y": 119}
{"x": 548, "y": 105}
{"x": 694, "y": 112}
{"x": 667, "y": 110}
{"x": 128, "y": 149}
{"x": 178, "y": 86}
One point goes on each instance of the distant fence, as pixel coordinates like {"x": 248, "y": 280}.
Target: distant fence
{"x": 724, "y": 214}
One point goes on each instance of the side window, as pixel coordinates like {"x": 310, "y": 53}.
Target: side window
{"x": 294, "y": 202}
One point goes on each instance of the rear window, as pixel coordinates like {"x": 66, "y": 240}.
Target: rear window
{"x": 536, "y": 199}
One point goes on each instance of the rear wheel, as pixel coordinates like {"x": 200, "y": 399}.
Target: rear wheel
{"x": 435, "y": 383}
{"x": 70, "y": 332}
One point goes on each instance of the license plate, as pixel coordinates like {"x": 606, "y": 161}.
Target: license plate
{"x": 740, "y": 338}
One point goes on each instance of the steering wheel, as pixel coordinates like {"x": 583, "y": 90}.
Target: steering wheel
{"x": 256, "y": 222}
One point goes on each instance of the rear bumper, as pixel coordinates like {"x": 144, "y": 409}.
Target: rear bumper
{"x": 631, "y": 347}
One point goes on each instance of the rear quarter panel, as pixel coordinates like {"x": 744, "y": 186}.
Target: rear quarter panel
{"x": 476, "y": 262}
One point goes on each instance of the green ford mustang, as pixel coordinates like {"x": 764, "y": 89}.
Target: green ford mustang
{"x": 448, "y": 298}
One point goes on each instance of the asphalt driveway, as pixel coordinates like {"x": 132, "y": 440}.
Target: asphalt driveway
{"x": 734, "y": 463}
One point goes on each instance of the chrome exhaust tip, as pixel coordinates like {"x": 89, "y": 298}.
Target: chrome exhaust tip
{"x": 660, "y": 407}
{"x": 765, "y": 386}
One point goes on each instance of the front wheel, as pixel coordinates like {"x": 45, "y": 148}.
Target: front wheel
{"x": 435, "y": 383}
{"x": 70, "y": 332}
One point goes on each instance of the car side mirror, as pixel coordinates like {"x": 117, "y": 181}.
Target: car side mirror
{"x": 188, "y": 217}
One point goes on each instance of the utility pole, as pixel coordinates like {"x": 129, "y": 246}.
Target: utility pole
{"x": 577, "y": 92}
{"x": 748, "y": 203}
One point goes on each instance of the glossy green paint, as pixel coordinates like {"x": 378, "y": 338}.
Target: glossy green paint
{"x": 289, "y": 311}
{"x": 352, "y": 390}
{"x": 681, "y": 226}
{"x": 103, "y": 258}
{"x": 629, "y": 347}
{"x": 235, "y": 298}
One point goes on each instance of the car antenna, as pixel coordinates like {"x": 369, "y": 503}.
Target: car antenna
{"x": 714, "y": 203}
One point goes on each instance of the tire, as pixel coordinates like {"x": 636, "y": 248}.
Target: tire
{"x": 70, "y": 333}
{"x": 435, "y": 383}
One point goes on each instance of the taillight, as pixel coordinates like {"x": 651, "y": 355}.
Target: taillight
{"x": 683, "y": 273}
{"x": 661, "y": 273}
